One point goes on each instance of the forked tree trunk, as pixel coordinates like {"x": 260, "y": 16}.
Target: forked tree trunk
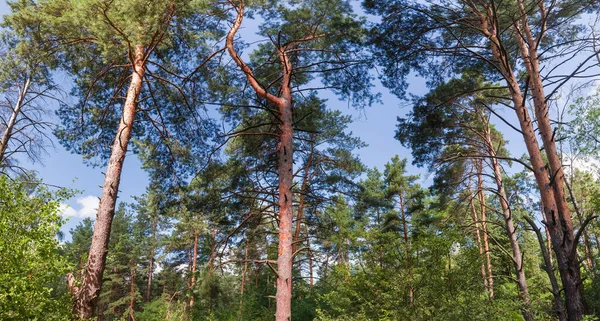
{"x": 558, "y": 216}
{"x": 85, "y": 297}
{"x": 283, "y": 102}
{"x": 550, "y": 183}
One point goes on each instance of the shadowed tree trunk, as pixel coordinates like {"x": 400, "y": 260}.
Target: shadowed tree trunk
{"x": 558, "y": 304}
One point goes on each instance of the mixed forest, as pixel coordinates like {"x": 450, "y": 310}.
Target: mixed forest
{"x": 258, "y": 205}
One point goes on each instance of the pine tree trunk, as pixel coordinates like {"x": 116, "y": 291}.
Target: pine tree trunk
{"x": 511, "y": 230}
{"x": 303, "y": 191}
{"x": 407, "y": 249}
{"x": 243, "y": 286}
{"x": 132, "y": 291}
{"x": 87, "y": 295}
{"x": 151, "y": 263}
{"x": 557, "y": 214}
{"x": 478, "y": 238}
{"x": 486, "y": 243}
{"x": 310, "y": 260}
{"x": 192, "y": 282}
{"x": 8, "y": 132}
{"x": 549, "y": 183}
{"x": 283, "y": 102}
{"x": 286, "y": 176}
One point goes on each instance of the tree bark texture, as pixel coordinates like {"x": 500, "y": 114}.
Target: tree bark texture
{"x": 86, "y": 296}
{"x": 549, "y": 179}
{"x": 285, "y": 153}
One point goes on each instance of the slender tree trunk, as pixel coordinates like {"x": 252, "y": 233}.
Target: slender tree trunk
{"x": 193, "y": 276}
{"x": 243, "y": 287}
{"x": 478, "y": 238}
{"x": 379, "y": 239}
{"x": 245, "y": 269}
{"x": 407, "y": 249}
{"x": 486, "y": 243}
{"x": 151, "y": 263}
{"x": 12, "y": 121}
{"x": 87, "y": 295}
{"x": 586, "y": 243}
{"x": 132, "y": 291}
{"x": 558, "y": 304}
{"x": 511, "y": 230}
{"x": 310, "y": 260}
{"x": 326, "y": 267}
{"x": 303, "y": 191}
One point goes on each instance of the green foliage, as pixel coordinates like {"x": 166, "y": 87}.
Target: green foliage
{"x": 32, "y": 285}
{"x": 584, "y": 130}
{"x": 163, "y": 308}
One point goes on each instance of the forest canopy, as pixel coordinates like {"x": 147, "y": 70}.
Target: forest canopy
{"x": 261, "y": 196}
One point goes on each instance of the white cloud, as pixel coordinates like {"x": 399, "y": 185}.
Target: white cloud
{"x": 67, "y": 211}
{"x": 87, "y": 207}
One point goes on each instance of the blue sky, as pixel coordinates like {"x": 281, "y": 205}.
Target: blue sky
{"x": 375, "y": 125}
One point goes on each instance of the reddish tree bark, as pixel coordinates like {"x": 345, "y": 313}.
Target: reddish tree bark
{"x": 283, "y": 102}
{"x": 549, "y": 179}
{"x": 85, "y": 296}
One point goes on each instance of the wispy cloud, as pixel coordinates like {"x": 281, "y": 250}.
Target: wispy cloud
{"x": 87, "y": 206}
